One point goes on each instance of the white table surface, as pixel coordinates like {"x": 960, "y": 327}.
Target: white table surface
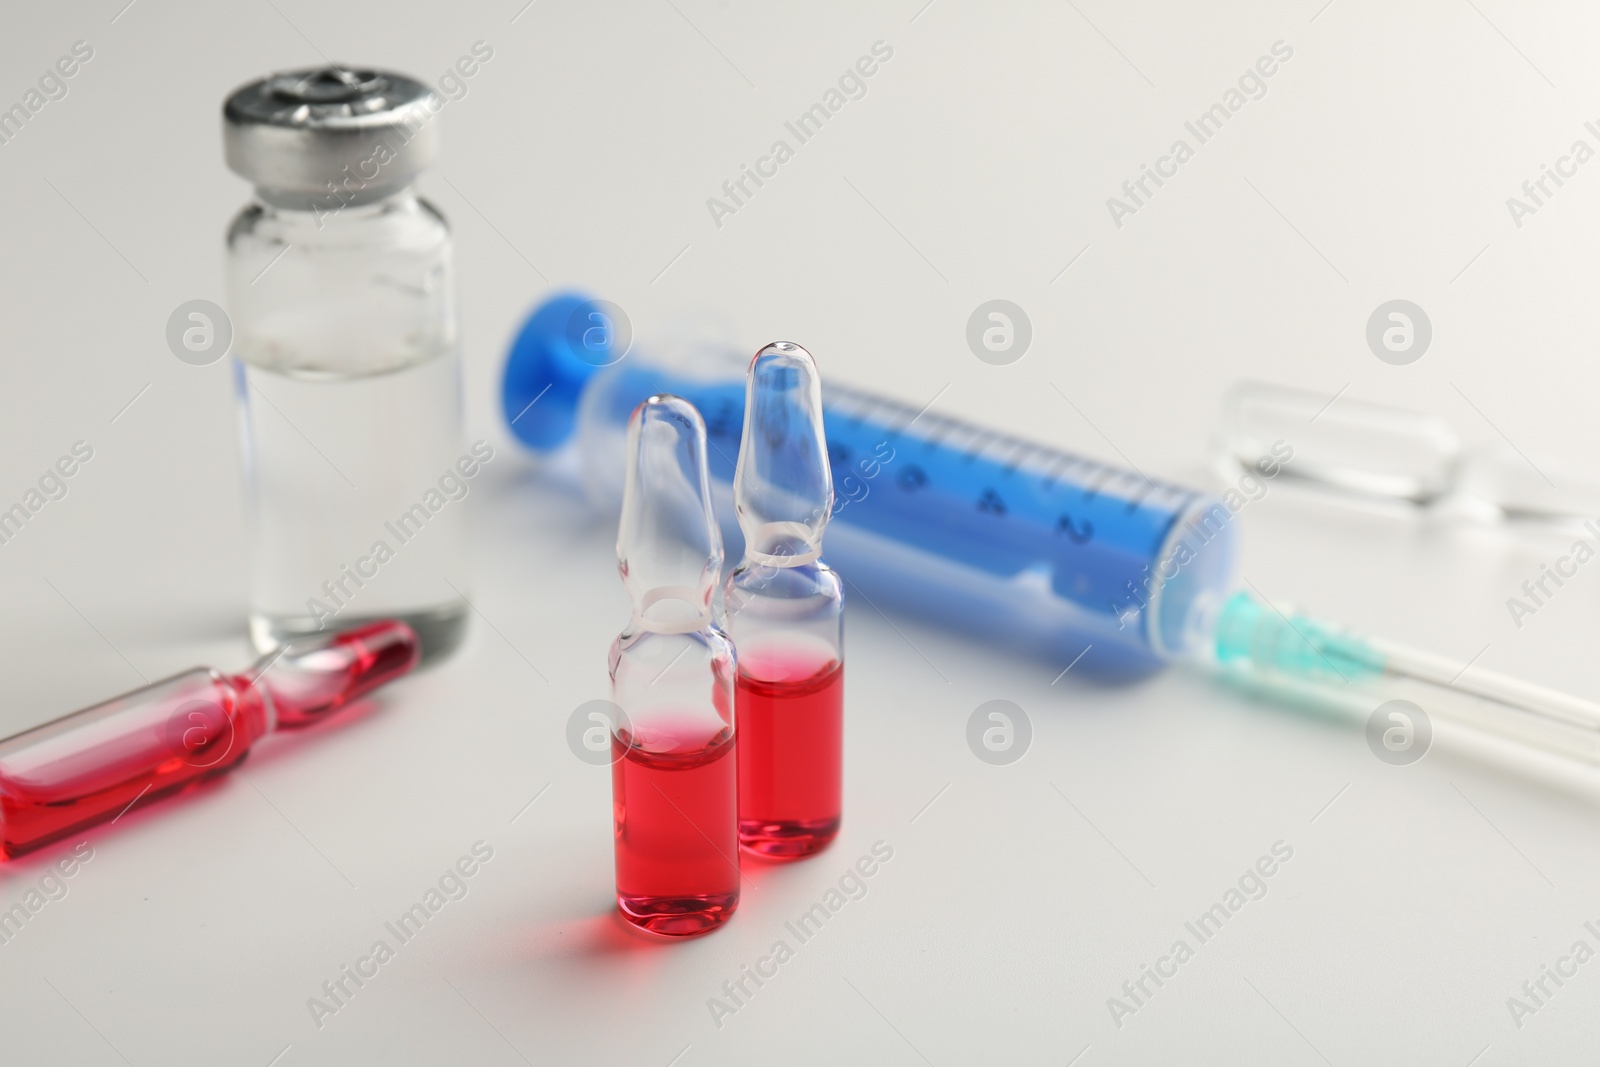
{"x": 977, "y": 166}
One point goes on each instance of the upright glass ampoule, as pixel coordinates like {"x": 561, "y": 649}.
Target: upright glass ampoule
{"x": 342, "y": 296}
{"x": 674, "y": 775}
{"x": 785, "y": 613}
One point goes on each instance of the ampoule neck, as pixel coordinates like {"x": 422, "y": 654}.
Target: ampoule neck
{"x": 256, "y": 706}
{"x": 675, "y": 609}
{"x": 303, "y": 683}
{"x": 808, "y": 582}
{"x": 781, "y": 544}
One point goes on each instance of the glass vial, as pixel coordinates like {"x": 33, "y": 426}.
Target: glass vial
{"x": 346, "y": 354}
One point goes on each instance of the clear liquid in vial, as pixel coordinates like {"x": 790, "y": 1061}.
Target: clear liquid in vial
{"x": 356, "y": 505}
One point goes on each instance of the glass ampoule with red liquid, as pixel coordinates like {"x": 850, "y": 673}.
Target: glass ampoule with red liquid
{"x": 674, "y": 771}
{"x": 785, "y": 613}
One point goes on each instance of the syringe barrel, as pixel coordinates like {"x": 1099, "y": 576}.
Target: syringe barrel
{"x": 1042, "y": 550}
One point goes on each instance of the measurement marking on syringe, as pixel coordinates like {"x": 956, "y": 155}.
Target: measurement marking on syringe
{"x": 928, "y": 405}
{"x": 1037, "y": 462}
{"x": 1064, "y": 464}
{"x": 1015, "y": 459}
{"x": 1092, "y": 490}
{"x": 1124, "y": 479}
{"x": 960, "y": 438}
{"x": 1075, "y": 534}
{"x": 941, "y": 428}
{"x": 896, "y": 427}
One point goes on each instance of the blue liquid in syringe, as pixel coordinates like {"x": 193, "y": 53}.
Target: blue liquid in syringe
{"x": 970, "y": 526}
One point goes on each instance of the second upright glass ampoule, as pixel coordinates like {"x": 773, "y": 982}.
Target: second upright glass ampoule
{"x": 785, "y": 612}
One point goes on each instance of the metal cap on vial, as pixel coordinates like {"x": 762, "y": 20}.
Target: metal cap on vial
{"x": 305, "y": 135}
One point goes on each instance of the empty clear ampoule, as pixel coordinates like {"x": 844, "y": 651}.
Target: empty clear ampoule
{"x": 92, "y": 765}
{"x": 785, "y": 612}
{"x": 1364, "y": 453}
{"x": 673, "y": 774}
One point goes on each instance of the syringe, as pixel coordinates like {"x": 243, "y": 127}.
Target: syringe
{"x": 1017, "y": 541}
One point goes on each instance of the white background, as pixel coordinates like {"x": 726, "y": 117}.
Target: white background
{"x": 977, "y": 166}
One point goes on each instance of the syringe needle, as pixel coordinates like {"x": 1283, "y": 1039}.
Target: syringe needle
{"x": 1256, "y": 643}
{"x": 1492, "y": 686}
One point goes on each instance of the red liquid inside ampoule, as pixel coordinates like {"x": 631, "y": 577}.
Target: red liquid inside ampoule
{"x": 96, "y": 764}
{"x": 790, "y": 713}
{"x": 674, "y": 795}
{"x": 91, "y": 767}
